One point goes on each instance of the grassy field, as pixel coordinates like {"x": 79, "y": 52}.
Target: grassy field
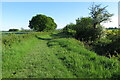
{"x": 52, "y": 55}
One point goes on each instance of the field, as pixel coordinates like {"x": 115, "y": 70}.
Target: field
{"x": 53, "y": 55}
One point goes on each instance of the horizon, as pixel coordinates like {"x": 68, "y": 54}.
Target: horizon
{"x": 63, "y": 13}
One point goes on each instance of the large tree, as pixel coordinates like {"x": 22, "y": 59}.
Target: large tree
{"x": 99, "y": 14}
{"x": 42, "y": 23}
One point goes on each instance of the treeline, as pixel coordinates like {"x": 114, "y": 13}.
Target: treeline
{"x": 111, "y": 28}
{"x": 20, "y": 30}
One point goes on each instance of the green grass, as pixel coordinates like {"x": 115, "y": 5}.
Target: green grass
{"x": 14, "y": 53}
{"x": 0, "y": 57}
{"x": 31, "y": 58}
{"x": 52, "y": 55}
{"x": 42, "y": 63}
{"x": 82, "y": 62}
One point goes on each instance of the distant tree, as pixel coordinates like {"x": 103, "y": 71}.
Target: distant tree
{"x": 70, "y": 26}
{"x": 70, "y": 29}
{"x": 22, "y": 29}
{"x": 13, "y": 29}
{"x": 42, "y": 23}
{"x": 112, "y": 28}
{"x": 99, "y": 14}
{"x": 26, "y": 30}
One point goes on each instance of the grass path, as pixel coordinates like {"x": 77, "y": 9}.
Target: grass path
{"x": 41, "y": 62}
{"x": 55, "y": 56}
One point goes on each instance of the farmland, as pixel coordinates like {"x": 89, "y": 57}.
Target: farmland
{"x": 53, "y": 55}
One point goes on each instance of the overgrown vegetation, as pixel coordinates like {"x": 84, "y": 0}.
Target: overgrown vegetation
{"x": 82, "y": 62}
{"x": 108, "y": 45}
{"x": 53, "y": 55}
{"x": 89, "y": 28}
{"x": 14, "y": 48}
{"x": 95, "y": 36}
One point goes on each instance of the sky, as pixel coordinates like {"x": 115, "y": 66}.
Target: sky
{"x": 119, "y": 14}
{"x": 18, "y": 14}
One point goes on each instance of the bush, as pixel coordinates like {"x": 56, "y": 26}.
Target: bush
{"x": 109, "y": 45}
{"x": 100, "y": 46}
{"x": 69, "y": 29}
{"x": 13, "y": 29}
{"x": 85, "y": 30}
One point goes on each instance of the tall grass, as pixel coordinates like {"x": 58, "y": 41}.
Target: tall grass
{"x": 31, "y": 57}
{"x": 82, "y": 62}
{"x": 54, "y": 56}
{"x": 14, "y": 48}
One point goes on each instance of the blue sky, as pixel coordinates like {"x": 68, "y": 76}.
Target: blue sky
{"x": 18, "y": 14}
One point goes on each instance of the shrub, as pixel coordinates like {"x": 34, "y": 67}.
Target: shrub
{"x": 13, "y": 29}
{"x": 70, "y": 29}
{"x": 85, "y": 30}
{"x": 109, "y": 45}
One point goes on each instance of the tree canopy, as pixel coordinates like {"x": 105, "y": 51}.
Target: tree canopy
{"x": 99, "y": 14}
{"x": 89, "y": 28}
{"x": 42, "y": 23}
